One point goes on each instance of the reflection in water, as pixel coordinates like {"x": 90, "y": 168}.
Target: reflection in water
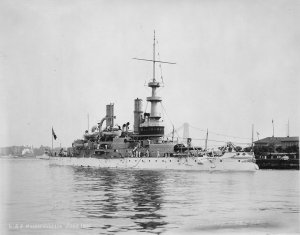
{"x": 170, "y": 202}
{"x": 147, "y": 196}
{"x": 120, "y": 200}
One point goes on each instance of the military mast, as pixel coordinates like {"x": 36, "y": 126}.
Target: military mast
{"x": 152, "y": 126}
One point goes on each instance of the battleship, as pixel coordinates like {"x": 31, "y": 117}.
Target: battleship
{"x": 146, "y": 146}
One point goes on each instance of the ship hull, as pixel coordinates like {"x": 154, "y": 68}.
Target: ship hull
{"x": 174, "y": 163}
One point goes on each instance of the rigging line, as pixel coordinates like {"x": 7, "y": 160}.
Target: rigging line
{"x": 161, "y": 76}
{"x": 242, "y": 143}
{"x": 158, "y": 55}
{"x": 235, "y": 137}
{"x": 164, "y": 110}
{"x": 137, "y": 163}
{"x": 146, "y": 107}
{"x": 177, "y": 135}
{"x": 198, "y": 128}
{"x": 166, "y": 113}
{"x": 221, "y": 141}
{"x": 210, "y": 140}
{"x": 211, "y": 132}
{"x": 231, "y": 136}
{"x": 175, "y": 130}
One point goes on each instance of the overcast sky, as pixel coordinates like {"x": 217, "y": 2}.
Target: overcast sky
{"x": 237, "y": 65}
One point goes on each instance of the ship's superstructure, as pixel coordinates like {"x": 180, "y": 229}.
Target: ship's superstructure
{"x": 144, "y": 147}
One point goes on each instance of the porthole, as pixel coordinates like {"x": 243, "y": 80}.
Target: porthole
{"x": 220, "y": 160}
{"x": 195, "y": 160}
{"x": 170, "y": 160}
{"x": 239, "y": 160}
{"x": 149, "y": 160}
{"x": 156, "y": 160}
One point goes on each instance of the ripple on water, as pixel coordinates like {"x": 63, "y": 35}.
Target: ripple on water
{"x": 130, "y": 201}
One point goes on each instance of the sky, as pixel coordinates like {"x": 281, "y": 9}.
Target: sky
{"x": 237, "y": 64}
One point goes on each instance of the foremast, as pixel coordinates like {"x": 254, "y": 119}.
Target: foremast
{"x": 151, "y": 124}
{"x": 154, "y": 99}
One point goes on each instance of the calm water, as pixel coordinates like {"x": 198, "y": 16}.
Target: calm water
{"x": 40, "y": 199}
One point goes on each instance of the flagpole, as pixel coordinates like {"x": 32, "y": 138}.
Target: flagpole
{"x": 88, "y": 117}
{"x": 252, "y": 136}
{"x": 206, "y": 140}
{"x": 273, "y": 126}
{"x": 52, "y": 141}
{"x": 288, "y": 129}
{"x": 173, "y": 134}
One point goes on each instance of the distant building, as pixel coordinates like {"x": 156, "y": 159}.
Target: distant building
{"x": 277, "y": 153}
{"x": 18, "y": 150}
{"x": 12, "y": 150}
{"x": 283, "y": 142}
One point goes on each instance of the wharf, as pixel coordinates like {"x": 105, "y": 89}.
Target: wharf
{"x": 291, "y": 164}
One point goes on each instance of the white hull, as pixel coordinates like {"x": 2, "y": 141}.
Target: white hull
{"x": 175, "y": 163}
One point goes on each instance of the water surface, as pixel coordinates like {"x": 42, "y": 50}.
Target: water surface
{"x": 37, "y": 198}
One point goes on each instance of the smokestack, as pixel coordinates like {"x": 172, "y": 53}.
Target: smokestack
{"x": 110, "y": 115}
{"x": 138, "y": 112}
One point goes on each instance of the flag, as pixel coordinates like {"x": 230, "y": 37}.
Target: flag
{"x": 272, "y": 121}
{"x": 53, "y": 134}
